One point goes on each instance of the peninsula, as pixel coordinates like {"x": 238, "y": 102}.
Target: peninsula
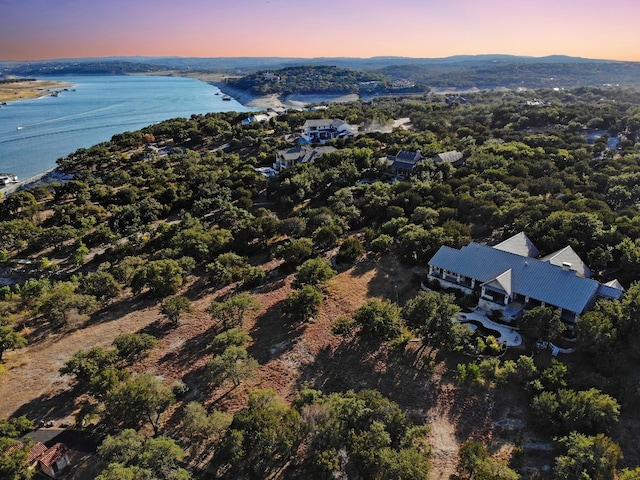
{"x": 25, "y": 89}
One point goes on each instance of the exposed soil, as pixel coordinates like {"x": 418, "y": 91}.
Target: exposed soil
{"x": 289, "y": 356}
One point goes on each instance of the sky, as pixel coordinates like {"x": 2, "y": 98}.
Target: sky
{"x": 44, "y": 29}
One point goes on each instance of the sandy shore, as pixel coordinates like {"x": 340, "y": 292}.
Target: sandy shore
{"x": 14, "y": 91}
{"x": 45, "y": 178}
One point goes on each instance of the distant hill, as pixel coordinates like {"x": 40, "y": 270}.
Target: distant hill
{"x": 313, "y": 80}
{"x": 457, "y": 72}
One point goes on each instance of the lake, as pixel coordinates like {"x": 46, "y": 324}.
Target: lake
{"x": 35, "y": 133}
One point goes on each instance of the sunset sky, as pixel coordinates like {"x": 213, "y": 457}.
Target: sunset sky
{"x": 42, "y": 29}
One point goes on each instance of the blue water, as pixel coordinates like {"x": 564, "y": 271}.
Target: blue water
{"x": 35, "y": 133}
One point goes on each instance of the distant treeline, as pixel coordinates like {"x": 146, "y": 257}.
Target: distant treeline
{"x": 16, "y": 80}
{"x": 314, "y": 80}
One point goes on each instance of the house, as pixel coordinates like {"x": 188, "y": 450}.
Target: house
{"x": 259, "y": 118}
{"x": 300, "y": 154}
{"x": 509, "y": 278}
{"x": 54, "y": 460}
{"x": 453, "y": 158}
{"x": 320, "y": 130}
{"x": 51, "y": 461}
{"x": 403, "y": 162}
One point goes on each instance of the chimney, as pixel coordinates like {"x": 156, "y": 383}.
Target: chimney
{"x": 566, "y": 266}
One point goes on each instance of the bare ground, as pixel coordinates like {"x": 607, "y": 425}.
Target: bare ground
{"x": 290, "y": 356}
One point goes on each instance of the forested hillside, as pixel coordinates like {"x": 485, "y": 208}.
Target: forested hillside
{"x": 254, "y": 327}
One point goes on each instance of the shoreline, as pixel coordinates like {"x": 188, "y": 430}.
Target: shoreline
{"x": 54, "y": 175}
{"x": 30, "y": 89}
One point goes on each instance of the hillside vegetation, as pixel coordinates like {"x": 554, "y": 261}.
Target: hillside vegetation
{"x": 203, "y": 321}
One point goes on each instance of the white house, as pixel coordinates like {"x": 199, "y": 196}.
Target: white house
{"x": 322, "y": 129}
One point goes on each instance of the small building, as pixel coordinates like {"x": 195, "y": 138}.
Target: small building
{"x": 300, "y": 154}
{"x": 54, "y": 460}
{"x": 259, "y": 118}
{"x": 454, "y": 158}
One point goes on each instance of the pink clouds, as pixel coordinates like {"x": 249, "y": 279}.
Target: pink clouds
{"x": 36, "y": 29}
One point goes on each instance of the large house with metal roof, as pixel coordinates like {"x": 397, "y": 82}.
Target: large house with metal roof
{"x": 508, "y": 277}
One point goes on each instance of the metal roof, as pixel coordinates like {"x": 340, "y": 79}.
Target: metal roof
{"x": 568, "y": 255}
{"x": 530, "y": 277}
{"x": 519, "y": 244}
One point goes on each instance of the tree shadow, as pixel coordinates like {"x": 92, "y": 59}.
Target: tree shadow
{"x": 273, "y": 334}
{"x": 356, "y": 365}
{"x": 116, "y": 310}
{"x": 49, "y": 406}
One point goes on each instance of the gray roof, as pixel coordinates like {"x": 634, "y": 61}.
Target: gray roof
{"x": 530, "y": 277}
{"x": 406, "y": 156}
{"x": 568, "y": 255}
{"x": 319, "y": 122}
{"x": 520, "y": 245}
{"x": 453, "y": 157}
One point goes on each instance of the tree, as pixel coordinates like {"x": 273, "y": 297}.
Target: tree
{"x": 163, "y": 277}
{"x": 234, "y": 364}
{"x": 134, "y": 346}
{"x": 137, "y": 401}
{"x": 379, "y": 319}
{"x": 567, "y": 410}
{"x": 100, "y": 284}
{"x": 174, "y": 307}
{"x": 61, "y": 300}
{"x": 129, "y": 454}
{"x": 231, "y": 312}
{"x": 431, "y": 315}
{"x": 477, "y": 464}
{"x": 594, "y": 457}
{"x": 294, "y": 251}
{"x": 88, "y": 365}
{"x": 200, "y": 426}
{"x": 235, "y": 337}
{"x": 302, "y": 305}
{"x": 79, "y": 254}
{"x": 597, "y": 329}
{"x": 542, "y": 323}
{"x": 263, "y": 435}
{"x": 13, "y": 460}
{"x": 313, "y": 272}
{"x": 350, "y": 250}
{"x": 10, "y": 340}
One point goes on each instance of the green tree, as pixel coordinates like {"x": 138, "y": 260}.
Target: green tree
{"x": 350, "y": 250}
{"x": 200, "y": 426}
{"x": 593, "y": 457}
{"x": 100, "y": 284}
{"x": 79, "y": 254}
{"x": 61, "y": 299}
{"x": 163, "y": 277}
{"x": 90, "y": 367}
{"x": 10, "y": 340}
{"x": 263, "y": 436}
{"x": 542, "y": 323}
{"x": 139, "y": 400}
{"x": 130, "y": 453}
{"x": 231, "y": 312}
{"x": 174, "y": 307}
{"x": 379, "y": 319}
{"x": 431, "y": 315}
{"x": 134, "y": 346}
{"x": 234, "y": 337}
{"x": 234, "y": 364}
{"x": 13, "y": 460}
{"x": 295, "y": 251}
{"x": 476, "y": 464}
{"x": 567, "y": 410}
{"x": 313, "y": 272}
{"x": 304, "y": 304}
